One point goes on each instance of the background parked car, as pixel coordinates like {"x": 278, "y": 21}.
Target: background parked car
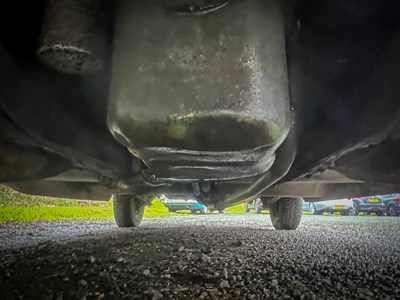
{"x": 368, "y": 205}
{"x": 392, "y": 204}
{"x": 306, "y": 206}
{"x": 174, "y": 205}
{"x": 343, "y": 206}
{"x": 258, "y": 206}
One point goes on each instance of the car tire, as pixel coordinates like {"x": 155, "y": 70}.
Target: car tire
{"x": 314, "y": 211}
{"x": 128, "y": 210}
{"x": 379, "y": 213}
{"x": 286, "y": 213}
{"x": 345, "y": 213}
{"x": 392, "y": 210}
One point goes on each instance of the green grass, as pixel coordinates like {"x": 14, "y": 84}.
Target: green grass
{"x": 43, "y": 213}
{"x": 239, "y": 208}
{"x": 9, "y": 197}
{"x": 156, "y": 209}
{"x": 25, "y": 208}
{"x": 46, "y": 213}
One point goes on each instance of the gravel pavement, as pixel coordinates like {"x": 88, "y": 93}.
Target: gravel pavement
{"x": 230, "y": 256}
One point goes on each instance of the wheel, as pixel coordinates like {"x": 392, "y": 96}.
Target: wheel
{"x": 314, "y": 211}
{"x": 286, "y": 213}
{"x": 203, "y": 210}
{"x": 128, "y": 210}
{"x": 344, "y": 213}
{"x": 392, "y": 210}
{"x": 354, "y": 211}
{"x": 379, "y": 213}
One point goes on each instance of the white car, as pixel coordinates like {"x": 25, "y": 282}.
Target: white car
{"x": 343, "y": 206}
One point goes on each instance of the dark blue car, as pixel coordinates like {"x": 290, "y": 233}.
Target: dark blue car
{"x": 392, "y": 204}
{"x": 367, "y": 205}
{"x": 380, "y": 204}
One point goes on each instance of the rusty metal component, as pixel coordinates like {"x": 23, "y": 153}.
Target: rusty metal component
{"x": 317, "y": 191}
{"x": 200, "y": 97}
{"x": 285, "y": 156}
{"x": 76, "y": 175}
{"x": 346, "y": 106}
{"x": 197, "y": 130}
{"x": 73, "y": 37}
{"x": 60, "y": 189}
{"x": 376, "y": 163}
{"x": 35, "y": 112}
{"x": 19, "y": 162}
{"x": 122, "y": 185}
{"x": 195, "y": 7}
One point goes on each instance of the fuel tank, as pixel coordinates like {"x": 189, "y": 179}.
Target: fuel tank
{"x": 199, "y": 88}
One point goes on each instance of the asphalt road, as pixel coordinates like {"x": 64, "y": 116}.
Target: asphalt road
{"x": 202, "y": 257}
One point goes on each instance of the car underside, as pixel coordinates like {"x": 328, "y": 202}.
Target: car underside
{"x": 214, "y": 100}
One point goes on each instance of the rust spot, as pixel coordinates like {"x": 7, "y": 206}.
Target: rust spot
{"x": 199, "y": 7}
{"x": 18, "y": 162}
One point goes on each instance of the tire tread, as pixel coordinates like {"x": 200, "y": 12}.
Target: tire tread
{"x": 286, "y": 213}
{"x": 123, "y": 210}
